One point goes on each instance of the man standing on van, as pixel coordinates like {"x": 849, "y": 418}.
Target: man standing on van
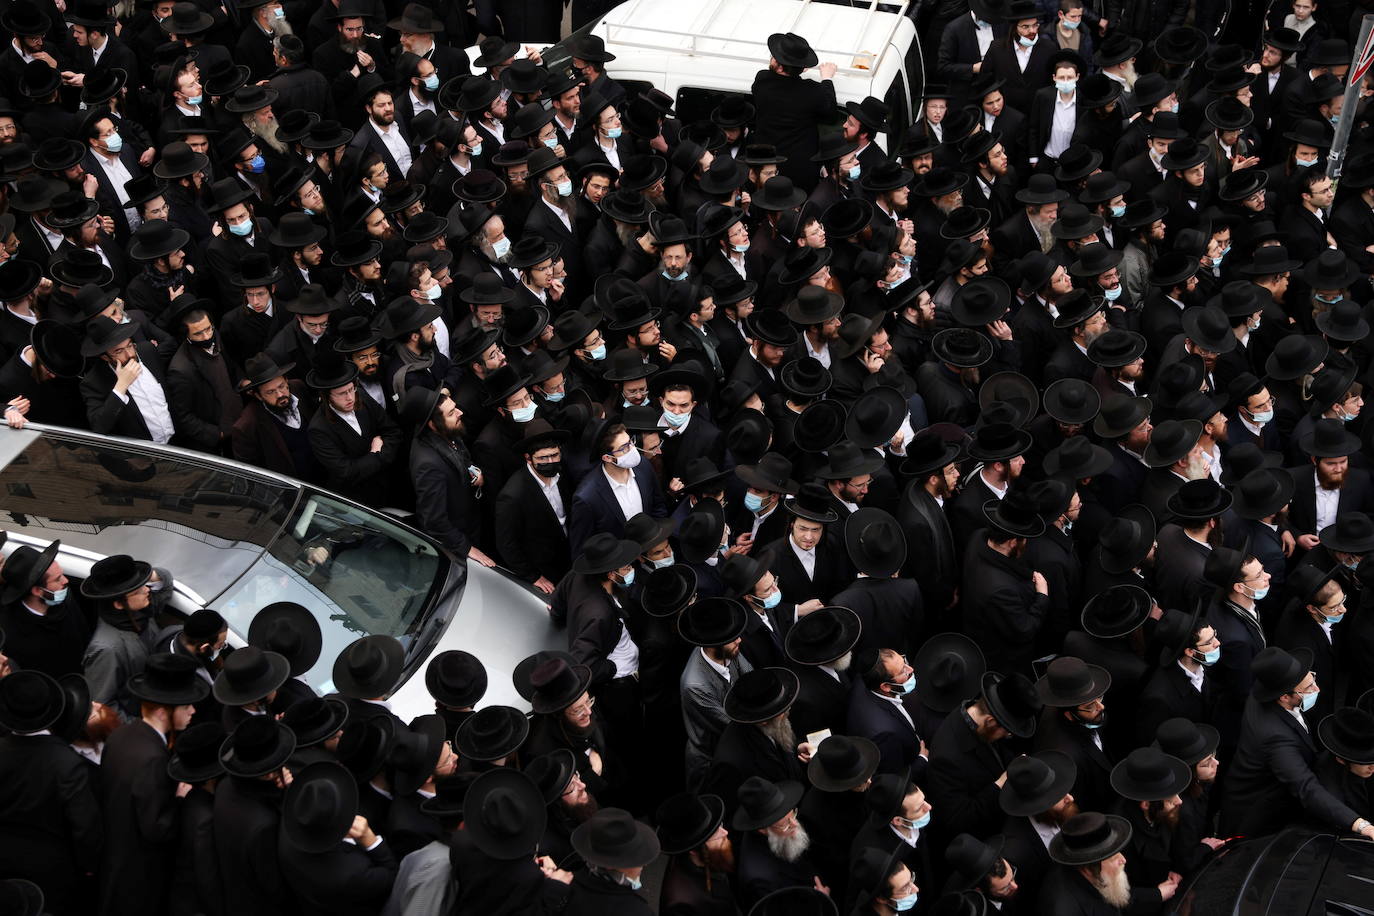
{"x": 789, "y": 107}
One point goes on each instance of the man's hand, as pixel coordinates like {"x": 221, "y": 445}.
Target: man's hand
{"x": 551, "y": 870}
{"x": 174, "y": 291}
{"x": 361, "y": 832}
{"x": 805, "y": 750}
{"x": 126, "y": 374}
{"x": 872, "y": 361}
{"x": 183, "y": 789}
{"x": 107, "y": 224}
{"x": 1169, "y": 886}
{"x": 809, "y": 606}
{"x": 145, "y": 159}
{"x": 1041, "y": 586}
{"x": 15, "y": 413}
{"x": 646, "y": 241}
{"x": 1308, "y": 541}
{"x": 1243, "y": 162}
{"x": 1286, "y": 538}
{"x": 827, "y": 70}
{"x": 658, "y": 144}
{"x": 89, "y": 186}
{"x": 376, "y": 444}
{"x": 533, "y": 55}
{"x": 46, "y": 58}
{"x": 544, "y": 585}
{"x": 365, "y": 61}
{"x": 675, "y": 485}
{"x": 1000, "y": 330}
{"x": 978, "y": 67}
{"x": 816, "y": 883}
{"x": 1212, "y": 842}
{"x": 556, "y": 288}
{"x": 480, "y": 557}
{"x": 666, "y": 350}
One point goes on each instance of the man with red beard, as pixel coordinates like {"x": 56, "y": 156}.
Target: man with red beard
{"x": 1149, "y": 782}
{"x": 569, "y": 801}
{"x": 1035, "y": 797}
{"x": 691, "y": 830}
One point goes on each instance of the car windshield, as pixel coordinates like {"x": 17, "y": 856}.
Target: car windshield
{"x": 236, "y": 540}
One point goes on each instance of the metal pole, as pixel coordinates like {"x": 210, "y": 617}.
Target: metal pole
{"x": 1359, "y": 65}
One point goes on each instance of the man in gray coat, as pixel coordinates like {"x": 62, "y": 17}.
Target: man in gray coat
{"x": 715, "y": 626}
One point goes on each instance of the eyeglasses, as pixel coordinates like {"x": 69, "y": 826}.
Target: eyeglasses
{"x": 578, "y": 709}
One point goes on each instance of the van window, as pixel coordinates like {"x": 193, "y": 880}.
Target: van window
{"x": 693, "y": 104}
{"x": 633, "y": 90}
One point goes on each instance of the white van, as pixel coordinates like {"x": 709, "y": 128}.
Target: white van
{"x": 699, "y": 51}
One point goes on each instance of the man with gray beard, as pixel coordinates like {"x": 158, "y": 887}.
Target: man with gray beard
{"x": 821, "y": 647}
{"x": 254, "y": 48}
{"x": 759, "y": 741}
{"x": 298, "y": 87}
{"x": 773, "y": 849}
{"x": 1090, "y": 879}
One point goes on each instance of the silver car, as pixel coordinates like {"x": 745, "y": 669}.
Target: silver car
{"x": 237, "y": 538}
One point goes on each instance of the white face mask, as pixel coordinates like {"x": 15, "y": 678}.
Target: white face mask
{"x": 630, "y": 460}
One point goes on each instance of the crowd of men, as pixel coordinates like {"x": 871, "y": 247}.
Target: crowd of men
{"x": 966, "y": 519}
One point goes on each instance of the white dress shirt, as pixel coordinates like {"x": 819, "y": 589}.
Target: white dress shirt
{"x": 807, "y": 557}
{"x": 625, "y": 655}
{"x": 549, "y": 487}
{"x": 394, "y": 143}
{"x": 626, "y": 494}
{"x": 148, "y": 396}
{"x": 1061, "y": 128}
{"x": 1327, "y": 503}
{"x": 983, "y": 32}
{"x": 351, "y": 418}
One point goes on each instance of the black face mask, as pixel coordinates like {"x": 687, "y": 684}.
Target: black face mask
{"x": 208, "y": 343}
{"x": 549, "y": 469}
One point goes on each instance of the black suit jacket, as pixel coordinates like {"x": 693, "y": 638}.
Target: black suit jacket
{"x": 104, "y": 409}
{"x": 1170, "y": 694}
{"x": 368, "y": 140}
{"x": 832, "y": 573}
{"x": 822, "y": 701}
{"x": 789, "y": 109}
{"x": 444, "y": 496}
{"x": 1302, "y": 511}
{"x": 878, "y": 720}
{"x": 1019, "y": 85}
{"x": 1241, "y": 640}
{"x": 257, "y": 438}
{"x": 1092, "y": 789}
{"x": 595, "y": 509}
{"x": 345, "y": 880}
{"x": 543, "y": 222}
{"x": 891, "y": 611}
{"x": 964, "y": 770}
{"x": 1042, "y": 120}
{"x": 530, "y": 540}
{"x": 350, "y": 466}
{"x": 140, "y": 821}
{"x": 110, "y": 198}
{"x": 194, "y": 404}
{"x": 701, "y": 439}
{"x": 247, "y": 814}
{"x": 931, "y": 557}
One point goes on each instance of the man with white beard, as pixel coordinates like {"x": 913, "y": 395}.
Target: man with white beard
{"x": 759, "y": 741}
{"x": 255, "y": 42}
{"x": 773, "y": 849}
{"x": 1090, "y": 879}
{"x": 820, "y": 646}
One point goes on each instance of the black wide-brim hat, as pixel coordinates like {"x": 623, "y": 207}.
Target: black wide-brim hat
{"x": 456, "y": 679}
{"x": 1328, "y": 438}
{"x": 1189, "y": 741}
{"x": 1352, "y": 532}
{"x": 115, "y": 576}
{"x": 1013, "y": 702}
{"x": 195, "y": 758}
{"x": 1126, "y": 539}
{"x": 823, "y": 636}
{"x": 686, "y": 821}
{"x": 258, "y": 746}
{"x": 24, "y": 569}
{"x": 612, "y": 838}
{"x": 1277, "y": 672}
{"x": 761, "y": 694}
{"x": 927, "y": 453}
{"x": 1070, "y": 682}
{"x": 1348, "y": 733}
{"x": 950, "y": 668}
{"x": 1148, "y": 774}
{"x": 71, "y": 725}
{"x": 1089, "y": 838}
{"x": 1036, "y": 782}
{"x": 369, "y": 667}
{"x": 319, "y": 807}
{"x": 763, "y": 803}
{"x": 505, "y": 814}
{"x": 875, "y": 417}
{"x": 668, "y": 590}
{"x": 875, "y": 542}
{"x": 30, "y": 701}
{"x": 1116, "y": 611}
{"x": 963, "y": 348}
{"x": 289, "y": 629}
{"x": 699, "y": 535}
{"x": 316, "y": 719}
{"x": 1262, "y": 493}
{"x": 1078, "y": 458}
{"x": 843, "y": 763}
{"x": 491, "y": 733}
{"x": 791, "y": 50}
{"x": 999, "y": 442}
{"x": 715, "y": 621}
{"x": 249, "y": 675}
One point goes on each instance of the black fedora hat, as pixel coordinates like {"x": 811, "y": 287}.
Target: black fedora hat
{"x": 1294, "y": 356}
{"x": 1244, "y": 457}
{"x": 331, "y": 370}
{"x": 370, "y": 667}
{"x": 257, "y": 746}
{"x": 157, "y": 238}
{"x": 1040, "y": 189}
{"x": 1278, "y": 672}
{"x": 296, "y": 230}
{"x": 178, "y": 160}
{"x": 1116, "y": 611}
{"x": 687, "y": 820}
{"x": 927, "y": 453}
{"x": 58, "y": 348}
{"x": 875, "y": 417}
{"x": 763, "y": 803}
{"x": 1352, "y": 532}
{"x": 965, "y": 222}
{"x": 505, "y": 814}
{"x": 552, "y": 772}
{"x": 846, "y": 460}
{"x": 1126, "y": 539}
{"x": 823, "y": 636}
{"x": 1118, "y": 47}
{"x": 970, "y": 859}
{"x": 366, "y": 743}
{"x": 713, "y": 622}
{"x": 772, "y": 473}
{"x": 778, "y": 194}
{"x": 699, "y": 535}
{"x": 941, "y": 181}
{"x": 1097, "y": 90}
{"x": 820, "y": 426}
{"x": 1171, "y": 441}
{"x": 1209, "y": 328}
{"x": 24, "y": 569}
{"x": 603, "y": 553}
{"x": 1189, "y": 741}
{"x": 169, "y": 680}
{"x": 71, "y": 725}
{"x": 555, "y": 685}
{"x": 1076, "y": 221}
{"x": 875, "y": 542}
{"x": 1013, "y": 702}
{"x": 1263, "y": 492}
{"x": 30, "y": 701}
{"x": 315, "y": 719}
{"x": 456, "y": 679}
{"x": 115, "y": 576}
{"x": 963, "y": 348}
{"x": 998, "y": 442}
{"x": 612, "y": 838}
{"x": 250, "y": 674}
{"x": 1198, "y": 500}
{"x": 1344, "y": 322}
{"x": 1070, "y": 682}
{"x": 812, "y": 502}
{"x": 1077, "y": 458}
{"x": 1348, "y": 734}
{"x": 950, "y": 668}
{"x": 980, "y": 302}
{"x": 195, "y": 759}
{"x": 843, "y": 763}
{"x": 261, "y": 369}
{"x": 492, "y": 733}
{"x": 1036, "y": 782}
{"x": 791, "y": 50}
{"x": 667, "y": 591}
{"x": 1268, "y": 260}
{"x": 1089, "y": 838}
{"x": 1328, "y": 438}
{"x": 1180, "y": 44}
{"x": 1072, "y": 401}
{"x": 1077, "y": 162}
{"x": 319, "y": 807}
{"x": 760, "y": 695}
{"x": 416, "y": 753}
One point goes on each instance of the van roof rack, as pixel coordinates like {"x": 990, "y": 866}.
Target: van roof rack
{"x": 874, "y": 33}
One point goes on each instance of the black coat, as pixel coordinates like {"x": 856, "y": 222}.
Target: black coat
{"x": 56, "y": 401}
{"x": 590, "y": 895}
{"x": 247, "y": 814}
{"x": 881, "y": 722}
{"x": 530, "y": 540}
{"x": 200, "y": 417}
{"x": 105, "y": 411}
{"x": 1020, "y": 85}
{"x": 594, "y": 506}
{"x": 1092, "y": 789}
{"x": 891, "y": 611}
{"x": 1356, "y": 494}
{"x": 1297, "y": 630}
{"x": 140, "y": 821}
{"x": 931, "y": 557}
{"x": 350, "y": 466}
{"x": 1168, "y": 694}
{"x": 196, "y": 883}
{"x": 964, "y": 770}
{"x": 1271, "y": 782}
{"x": 744, "y": 751}
{"x": 822, "y": 701}
{"x": 444, "y": 496}
{"x": 595, "y": 622}
{"x": 1241, "y": 640}
{"x": 257, "y": 438}
{"x": 1067, "y": 893}
{"x": 50, "y": 820}
{"x": 345, "y": 880}
{"x": 53, "y": 643}
{"x": 760, "y": 872}
{"x": 1002, "y": 611}
{"x": 685, "y": 891}
{"x": 789, "y": 108}
{"x": 832, "y": 573}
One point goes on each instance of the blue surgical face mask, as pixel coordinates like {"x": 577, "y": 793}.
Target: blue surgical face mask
{"x": 1025, "y": 42}
{"x": 1070, "y": 25}
{"x": 565, "y": 187}
{"x": 1260, "y": 593}
{"x": 676, "y": 420}
{"x": 1264, "y": 416}
{"x": 434, "y": 292}
{"x": 629, "y": 578}
{"x": 52, "y": 599}
{"x": 555, "y": 396}
{"x": 475, "y": 150}
{"x": 114, "y": 142}
{"x": 855, "y": 171}
{"x": 678, "y": 279}
{"x": 257, "y": 164}
{"x": 773, "y": 600}
{"x": 1113, "y": 294}
{"x": 278, "y": 13}
{"x": 1224, "y": 252}
{"x": 550, "y": 142}
{"x": 1118, "y": 211}
{"x": 243, "y": 229}
{"x": 664, "y": 563}
{"x": 1329, "y": 618}
{"x": 432, "y": 82}
{"x": 1174, "y": 108}
{"x": 599, "y": 353}
{"x": 903, "y": 904}
{"x": 1335, "y": 119}
{"x": 501, "y": 247}
{"x": 1304, "y": 163}
{"x": 905, "y": 259}
{"x": 921, "y": 822}
{"x": 195, "y": 100}
{"x": 1209, "y": 658}
{"x": 523, "y": 414}
{"x": 1066, "y": 86}
{"x": 1329, "y": 300}
{"x": 633, "y": 884}
{"x": 741, "y": 249}
{"x": 613, "y": 133}
{"x": 1309, "y": 700}
{"x": 753, "y": 502}
{"x": 307, "y": 211}
{"x": 905, "y": 687}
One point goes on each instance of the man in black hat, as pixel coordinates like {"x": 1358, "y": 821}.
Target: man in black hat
{"x": 45, "y": 629}
{"x": 1332, "y": 488}
{"x": 1181, "y": 686}
{"x": 301, "y": 341}
{"x": 1035, "y": 797}
{"x": 118, "y": 588}
{"x": 616, "y": 848}
{"x": 775, "y": 849}
{"x": 692, "y": 831}
{"x": 201, "y": 383}
{"x": 273, "y": 430}
{"x": 1005, "y": 600}
{"x": 354, "y": 439}
{"x": 1309, "y": 622}
{"x": 617, "y": 489}
{"x": 979, "y": 867}
{"x": 248, "y": 802}
{"x": 1073, "y": 694}
{"x": 447, "y": 483}
{"x": 1151, "y": 783}
{"x": 123, "y": 387}
{"x": 808, "y": 565}
{"x": 714, "y": 626}
{"x": 40, "y": 381}
{"x": 139, "y": 796}
{"x": 1347, "y": 762}
{"x": 789, "y": 107}
{"x": 876, "y": 711}
{"x": 1090, "y": 873}
{"x": 1271, "y": 780}
{"x": 533, "y": 509}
